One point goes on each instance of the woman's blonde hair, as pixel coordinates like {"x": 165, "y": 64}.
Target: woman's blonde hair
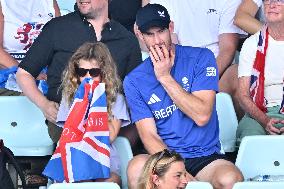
{"x": 158, "y": 164}
{"x": 92, "y": 51}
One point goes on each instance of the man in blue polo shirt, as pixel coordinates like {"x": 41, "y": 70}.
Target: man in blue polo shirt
{"x": 171, "y": 97}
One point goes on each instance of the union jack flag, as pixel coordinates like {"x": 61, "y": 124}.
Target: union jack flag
{"x": 257, "y": 77}
{"x": 83, "y": 152}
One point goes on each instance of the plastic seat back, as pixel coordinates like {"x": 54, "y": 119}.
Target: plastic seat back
{"x": 125, "y": 154}
{"x": 228, "y": 121}
{"x": 23, "y": 128}
{"x": 259, "y": 185}
{"x": 261, "y": 155}
{"x": 198, "y": 185}
{"x": 85, "y": 185}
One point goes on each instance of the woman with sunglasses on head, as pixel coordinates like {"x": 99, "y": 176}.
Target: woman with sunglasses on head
{"x": 163, "y": 170}
{"x": 93, "y": 60}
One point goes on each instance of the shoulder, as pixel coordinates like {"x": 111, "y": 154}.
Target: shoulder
{"x": 252, "y": 40}
{"x": 119, "y": 101}
{"x": 145, "y": 67}
{"x": 193, "y": 52}
{"x": 121, "y": 31}
{"x": 248, "y": 49}
{"x": 195, "y": 58}
{"x": 143, "y": 70}
{"x": 66, "y": 21}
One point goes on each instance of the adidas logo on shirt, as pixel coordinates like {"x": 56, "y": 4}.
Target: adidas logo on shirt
{"x": 154, "y": 99}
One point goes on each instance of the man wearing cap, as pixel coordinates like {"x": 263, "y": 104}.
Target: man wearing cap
{"x": 171, "y": 96}
{"x": 209, "y": 23}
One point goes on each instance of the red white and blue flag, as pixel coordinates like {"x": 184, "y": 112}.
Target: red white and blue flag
{"x": 257, "y": 77}
{"x": 83, "y": 151}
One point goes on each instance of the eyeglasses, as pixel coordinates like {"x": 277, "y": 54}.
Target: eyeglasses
{"x": 164, "y": 153}
{"x": 94, "y": 72}
{"x": 277, "y": 2}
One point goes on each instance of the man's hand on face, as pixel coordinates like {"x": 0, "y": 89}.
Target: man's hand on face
{"x": 163, "y": 60}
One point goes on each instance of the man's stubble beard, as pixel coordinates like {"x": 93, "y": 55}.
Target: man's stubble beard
{"x": 92, "y": 13}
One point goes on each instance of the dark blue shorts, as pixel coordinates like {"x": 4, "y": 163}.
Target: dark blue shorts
{"x": 194, "y": 165}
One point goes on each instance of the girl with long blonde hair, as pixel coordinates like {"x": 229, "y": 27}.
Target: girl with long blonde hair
{"x": 93, "y": 60}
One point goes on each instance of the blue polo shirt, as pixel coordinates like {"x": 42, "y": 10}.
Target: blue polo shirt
{"x": 195, "y": 69}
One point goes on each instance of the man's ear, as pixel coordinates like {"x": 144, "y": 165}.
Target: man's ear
{"x": 140, "y": 38}
{"x": 174, "y": 36}
{"x": 137, "y": 32}
{"x": 171, "y": 27}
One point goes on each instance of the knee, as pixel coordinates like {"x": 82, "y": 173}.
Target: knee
{"x": 228, "y": 179}
{"x": 134, "y": 169}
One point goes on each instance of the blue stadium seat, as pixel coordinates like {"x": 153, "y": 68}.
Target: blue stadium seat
{"x": 85, "y": 185}
{"x": 125, "y": 153}
{"x": 23, "y": 127}
{"x": 198, "y": 185}
{"x": 228, "y": 121}
{"x": 261, "y": 155}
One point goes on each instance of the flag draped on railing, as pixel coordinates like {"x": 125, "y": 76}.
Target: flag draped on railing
{"x": 83, "y": 151}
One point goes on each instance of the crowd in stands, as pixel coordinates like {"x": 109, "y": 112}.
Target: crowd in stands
{"x": 162, "y": 62}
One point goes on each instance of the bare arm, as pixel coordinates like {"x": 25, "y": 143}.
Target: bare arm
{"x": 197, "y": 105}
{"x": 149, "y": 136}
{"x": 6, "y": 60}
{"x": 250, "y": 107}
{"x": 228, "y": 43}
{"x": 56, "y": 8}
{"x": 114, "y": 127}
{"x": 27, "y": 83}
{"x": 245, "y": 17}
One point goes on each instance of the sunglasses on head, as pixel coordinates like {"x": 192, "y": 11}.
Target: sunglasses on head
{"x": 164, "y": 153}
{"x": 94, "y": 72}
